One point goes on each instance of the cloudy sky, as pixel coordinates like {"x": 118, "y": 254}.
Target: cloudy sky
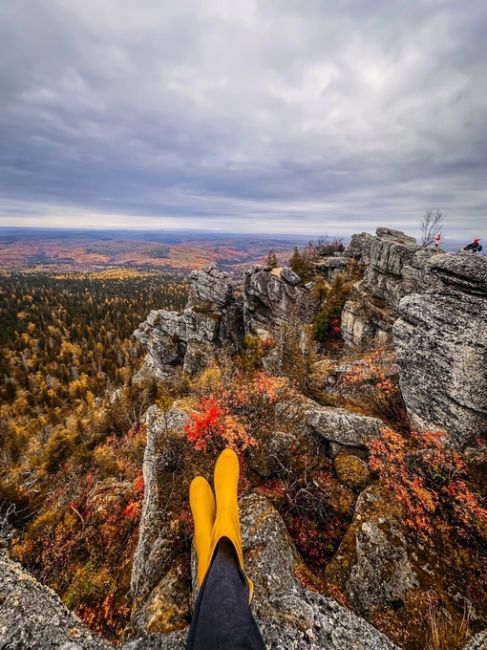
{"x": 302, "y": 116}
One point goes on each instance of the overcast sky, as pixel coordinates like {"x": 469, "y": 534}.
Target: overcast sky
{"x": 300, "y": 116}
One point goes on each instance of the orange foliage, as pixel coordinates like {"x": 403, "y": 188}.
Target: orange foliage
{"x": 226, "y": 417}
{"x": 430, "y": 480}
{"x": 212, "y": 425}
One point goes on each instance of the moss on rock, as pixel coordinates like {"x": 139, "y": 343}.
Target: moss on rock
{"x": 351, "y": 471}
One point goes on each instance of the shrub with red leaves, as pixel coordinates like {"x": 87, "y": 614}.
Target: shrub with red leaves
{"x": 431, "y": 481}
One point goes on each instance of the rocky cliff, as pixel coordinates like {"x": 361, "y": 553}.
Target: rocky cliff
{"x": 216, "y": 319}
{"x": 432, "y": 308}
{"x": 213, "y": 317}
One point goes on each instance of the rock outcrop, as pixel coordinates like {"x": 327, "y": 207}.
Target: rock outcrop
{"x": 33, "y": 616}
{"x": 360, "y": 247}
{"x": 372, "y": 565}
{"x": 330, "y": 267}
{"x": 441, "y": 345}
{"x": 344, "y": 428}
{"x": 273, "y": 299}
{"x": 155, "y": 555}
{"x": 393, "y": 268}
{"x": 289, "y": 616}
{"x": 215, "y": 319}
{"x": 431, "y": 307}
{"x": 212, "y": 319}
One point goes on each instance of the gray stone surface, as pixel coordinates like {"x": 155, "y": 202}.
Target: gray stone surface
{"x": 359, "y": 247}
{"x": 33, "y": 617}
{"x": 288, "y": 615}
{"x": 210, "y": 289}
{"x": 394, "y": 267}
{"x": 212, "y": 320}
{"x": 441, "y": 345}
{"x": 372, "y": 565}
{"x": 163, "y": 335}
{"x": 171, "y": 641}
{"x": 382, "y": 573}
{"x": 431, "y": 306}
{"x": 154, "y": 555}
{"x": 341, "y": 426}
{"x": 273, "y": 299}
{"x": 478, "y": 642}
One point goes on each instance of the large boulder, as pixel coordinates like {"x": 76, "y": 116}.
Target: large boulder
{"x": 372, "y": 565}
{"x": 360, "y": 247}
{"x": 337, "y": 425}
{"x": 163, "y": 335}
{"x": 274, "y": 298}
{"x": 441, "y": 345}
{"x": 33, "y": 616}
{"x": 211, "y": 321}
{"x": 210, "y": 289}
{"x": 289, "y": 615}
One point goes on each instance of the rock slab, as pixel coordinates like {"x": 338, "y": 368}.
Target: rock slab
{"x": 33, "y": 616}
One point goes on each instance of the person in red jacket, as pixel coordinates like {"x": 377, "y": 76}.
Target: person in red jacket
{"x": 474, "y": 247}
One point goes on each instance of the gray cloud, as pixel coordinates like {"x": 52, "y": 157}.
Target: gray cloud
{"x": 251, "y": 115}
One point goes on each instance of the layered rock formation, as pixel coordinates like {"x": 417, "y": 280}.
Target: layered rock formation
{"x": 273, "y": 299}
{"x": 393, "y": 268}
{"x": 212, "y": 318}
{"x": 441, "y": 345}
{"x": 216, "y": 319}
{"x": 432, "y": 308}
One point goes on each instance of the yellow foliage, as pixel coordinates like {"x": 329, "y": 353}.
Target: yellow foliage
{"x": 90, "y": 583}
{"x": 210, "y": 379}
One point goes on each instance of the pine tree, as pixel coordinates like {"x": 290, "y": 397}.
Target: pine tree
{"x": 272, "y": 259}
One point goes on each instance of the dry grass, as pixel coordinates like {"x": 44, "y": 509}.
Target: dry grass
{"x": 446, "y": 632}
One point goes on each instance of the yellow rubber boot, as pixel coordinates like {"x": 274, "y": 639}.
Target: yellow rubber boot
{"x": 227, "y": 521}
{"x": 202, "y": 504}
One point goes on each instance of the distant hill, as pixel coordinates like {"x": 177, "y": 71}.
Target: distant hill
{"x": 171, "y": 250}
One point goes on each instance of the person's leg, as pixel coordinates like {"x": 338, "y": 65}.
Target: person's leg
{"x": 222, "y": 619}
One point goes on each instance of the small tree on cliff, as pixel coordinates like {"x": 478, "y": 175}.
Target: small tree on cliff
{"x": 431, "y": 225}
{"x": 272, "y": 259}
{"x": 300, "y": 264}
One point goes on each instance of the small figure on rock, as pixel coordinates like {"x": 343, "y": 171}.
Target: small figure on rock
{"x": 437, "y": 241}
{"x": 222, "y": 617}
{"x": 474, "y": 247}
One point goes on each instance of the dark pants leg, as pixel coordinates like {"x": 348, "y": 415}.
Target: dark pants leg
{"x": 222, "y": 619}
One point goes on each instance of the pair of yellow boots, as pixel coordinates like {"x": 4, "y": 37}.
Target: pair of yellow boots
{"x": 217, "y": 518}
